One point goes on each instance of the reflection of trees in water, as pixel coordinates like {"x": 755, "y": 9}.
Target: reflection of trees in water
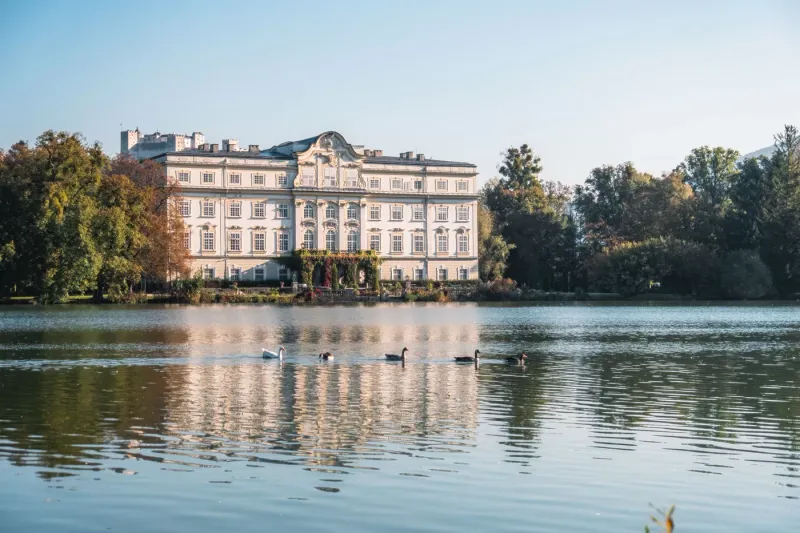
{"x": 319, "y": 411}
{"x": 55, "y": 413}
{"x": 703, "y": 394}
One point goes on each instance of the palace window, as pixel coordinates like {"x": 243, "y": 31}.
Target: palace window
{"x": 283, "y": 211}
{"x": 351, "y": 178}
{"x": 235, "y": 241}
{"x": 397, "y": 212}
{"x": 283, "y": 242}
{"x": 463, "y": 242}
{"x": 462, "y": 213}
{"x": 208, "y": 273}
{"x": 397, "y": 183}
{"x": 308, "y": 210}
{"x": 418, "y": 212}
{"x": 330, "y": 241}
{"x": 441, "y": 185}
{"x": 208, "y": 208}
{"x": 352, "y": 212}
{"x": 330, "y": 177}
{"x": 282, "y": 180}
{"x": 397, "y": 274}
{"x": 258, "y": 179}
{"x": 375, "y": 242}
{"x": 236, "y": 273}
{"x": 442, "y": 274}
{"x": 374, "y": 212}
{"x": 418, "y": 185}
{"x": 419, "y": 243}
{"x": 259, "y": 274}
{"x": 187, "y": 240}
{"x": 463, "y": 274}
{"x": 397, "y": 243}
{"x": 441, "y": 213}
{"x": 208, "y": 177}
{"x": 235, "y": 179}
{"x": 208, "y": 241}
{"x": 462, "y": 186}
{"x": 352, "y": 241}
{"x": 283, "y": 273}
{"x": 419, "y": 274}
{"x": 185, "y": 208}
{"x": 441, "y": 242}
{"x": 260, "y": 242}
{"x": 235, "y": 209}
{"x": 183, "y": 177}
{"x": 374, "y": 183}
{"x": 259, "y": 210}
{"x": 308, "y": 179}
{"x": 331, "y": 210}
{"x": 308, "y": 240}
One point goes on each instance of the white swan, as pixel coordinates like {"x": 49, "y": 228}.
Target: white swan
{"x": 266, "y": 354}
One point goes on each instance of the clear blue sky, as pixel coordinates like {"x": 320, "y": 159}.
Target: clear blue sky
{"x": 584, "y": 83}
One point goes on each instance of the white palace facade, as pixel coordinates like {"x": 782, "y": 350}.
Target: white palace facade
{"x": 245, "y": 208}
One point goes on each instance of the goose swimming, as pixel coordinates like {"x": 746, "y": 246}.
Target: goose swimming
{"x": 395, "y": 357}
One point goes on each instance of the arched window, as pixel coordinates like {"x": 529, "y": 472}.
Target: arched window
{"x": 330, "y": 240}
{"x": 352, "y": 211}
{"x": 308, "y": 240}
{"x": 308, "y": 210}
{"x": 331, "y": 211}
{"x": 352, "y": 241}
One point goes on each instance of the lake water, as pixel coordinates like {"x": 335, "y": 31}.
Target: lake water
{"x": 167, "y": 419}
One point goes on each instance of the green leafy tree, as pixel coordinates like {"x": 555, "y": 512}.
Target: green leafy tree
{"x": 493, "y": 250}
{"x": 780, "y": 245}
{"x": 519, "y": 190}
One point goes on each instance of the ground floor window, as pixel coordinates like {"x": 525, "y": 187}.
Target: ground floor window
{"x": 463, "y": 274}
{"x": 208, "y": 273}
{"x": 442, "y": 274}
{"x": 259, "y": 274}
{"x": 419, "y": 274}
{"x": 236, "y": 274}
{"x": 397, "y": 274}
{"x": 283, "y": 273}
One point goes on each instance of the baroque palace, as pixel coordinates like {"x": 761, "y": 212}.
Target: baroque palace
{"x": 245, "y": 209}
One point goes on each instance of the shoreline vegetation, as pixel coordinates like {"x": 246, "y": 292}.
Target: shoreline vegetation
{"x": 81, "y": 226}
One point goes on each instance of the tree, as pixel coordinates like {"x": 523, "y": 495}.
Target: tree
{"x": 164, "y": 257}
{"x": 780, "y": 246}
{"x": 711, "y": 174}
{"x": 605, "y": 200}
{"x": 493, "y": 250}
{"x": 48, "y": 194}
{"x": 519, "y": 190}
{"x": 544, "y": 255}
{"x": 745, "y": 276}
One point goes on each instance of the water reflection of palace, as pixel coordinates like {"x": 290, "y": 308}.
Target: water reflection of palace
{"x": 310, "y": 408}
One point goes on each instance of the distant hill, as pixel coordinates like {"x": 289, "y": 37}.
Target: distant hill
{"x": 758, "y": 153}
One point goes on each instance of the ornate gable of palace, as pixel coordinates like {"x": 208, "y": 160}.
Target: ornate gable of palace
{"x": 326, "y": 160}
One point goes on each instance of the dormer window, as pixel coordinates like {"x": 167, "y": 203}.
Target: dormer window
{"x": 351, "y": 175}
{"x": 330, "y": 177}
